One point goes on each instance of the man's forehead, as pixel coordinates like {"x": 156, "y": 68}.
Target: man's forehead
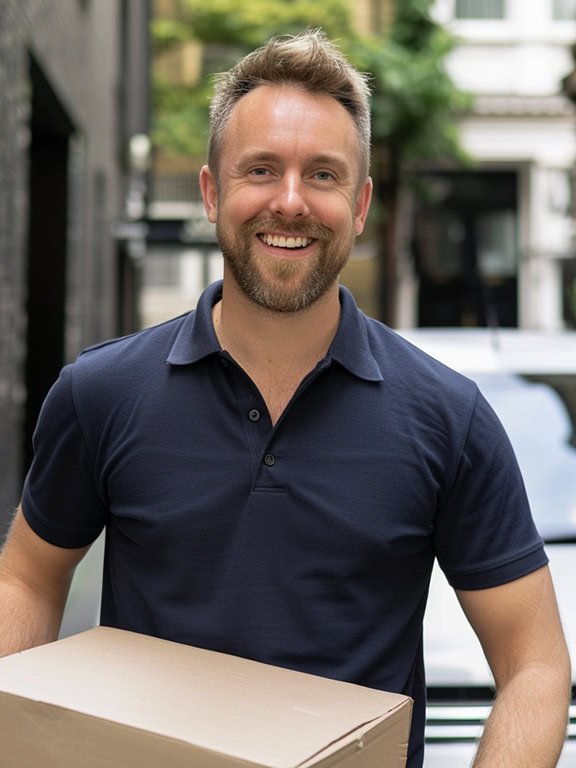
{"x": 273, "y": 93}
{"x": 270, "y": 114}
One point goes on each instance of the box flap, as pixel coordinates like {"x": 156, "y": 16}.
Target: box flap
{"x": 219, "y": 702}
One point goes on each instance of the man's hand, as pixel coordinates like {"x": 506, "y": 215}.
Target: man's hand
{"x": 520, "y": 631}
{"x": 35, "y": 578}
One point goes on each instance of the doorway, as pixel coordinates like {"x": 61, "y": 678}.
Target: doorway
{"x": 466, "y": 249}
{"x": 50, "y": 132}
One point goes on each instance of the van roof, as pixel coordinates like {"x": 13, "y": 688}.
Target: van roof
{"x": 497, "y": 351}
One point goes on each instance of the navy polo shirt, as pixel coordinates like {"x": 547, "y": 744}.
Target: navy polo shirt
{"x": 309, "y": 544}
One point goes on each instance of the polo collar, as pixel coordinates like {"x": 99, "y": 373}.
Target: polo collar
{"x": 351, "y": 347}
{"x": 197, "y": 339}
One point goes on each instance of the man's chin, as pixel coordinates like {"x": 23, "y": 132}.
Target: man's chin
{"x": 284, "y": 301}
{"x": 282, "y": 285}
{"x": 278, "y": 286}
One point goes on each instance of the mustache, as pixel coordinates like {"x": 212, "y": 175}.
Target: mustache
{"x": 308, "y": 228}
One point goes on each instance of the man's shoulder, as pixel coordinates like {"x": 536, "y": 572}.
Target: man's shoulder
{"x": 395, "y": 354}
{"x": 122, "y": 367}
{"x": 144, "y": 347}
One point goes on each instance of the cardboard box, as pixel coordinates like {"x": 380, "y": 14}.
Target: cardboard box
{"x": 113, "y": 699}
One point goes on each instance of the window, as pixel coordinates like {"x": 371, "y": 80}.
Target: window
{"x": 479, "y": 9}
{"x": 162, "y": 269}
{"x": 565, "y": 9}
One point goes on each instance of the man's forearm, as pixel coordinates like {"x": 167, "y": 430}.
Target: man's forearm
{"x": 26, "y": 619}
{"x": 527, "y": 725}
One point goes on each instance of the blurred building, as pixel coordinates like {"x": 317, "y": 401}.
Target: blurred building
{"x": 490, "y": 244}
{"x": 372, "y": 17}
{"x": 493, "y": 243}
{"x": 73, "y": 95}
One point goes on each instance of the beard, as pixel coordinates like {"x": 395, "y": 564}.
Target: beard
{"x": 284, "y": 285}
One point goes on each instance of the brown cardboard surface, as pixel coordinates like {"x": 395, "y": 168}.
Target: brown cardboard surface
{"x": 113, "y": 698}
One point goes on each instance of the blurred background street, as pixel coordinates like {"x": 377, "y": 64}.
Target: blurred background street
{"x": 104, "y": 118}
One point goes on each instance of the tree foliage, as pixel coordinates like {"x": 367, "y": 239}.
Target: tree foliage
{"x": 228, "y": 29}
{"x": 180, "y": 120}
{"x": 413, "y": 102}
{"x": 251, "y": 22}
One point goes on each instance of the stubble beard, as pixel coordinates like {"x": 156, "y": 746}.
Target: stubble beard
{"x": 284, "y": 285}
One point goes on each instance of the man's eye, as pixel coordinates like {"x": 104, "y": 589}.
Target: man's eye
{"x": 323, "y": 176}
{"x": 259, "y": 171}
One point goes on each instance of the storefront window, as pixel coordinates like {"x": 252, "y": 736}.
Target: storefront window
{"x": 479, "y": 9}
{"x": 565, "y": 9}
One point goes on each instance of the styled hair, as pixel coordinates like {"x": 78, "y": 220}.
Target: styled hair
{"x": 308, "y": 61}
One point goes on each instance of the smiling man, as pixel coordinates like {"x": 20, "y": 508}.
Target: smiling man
{"x": 289, "y": 193}
{"x": 286, "y": 209}
{"x": 275, "y": 471}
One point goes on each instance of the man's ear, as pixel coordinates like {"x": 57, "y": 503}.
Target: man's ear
{"x": 362, "y": 205}
{"x": 209, "y": 190}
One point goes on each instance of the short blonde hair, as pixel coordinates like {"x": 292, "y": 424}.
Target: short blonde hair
{"x": 308, "y": 61}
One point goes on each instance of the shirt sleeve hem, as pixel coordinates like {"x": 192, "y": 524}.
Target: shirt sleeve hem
{"x": 501, "y": 574}
{"x": 58, "y": 538}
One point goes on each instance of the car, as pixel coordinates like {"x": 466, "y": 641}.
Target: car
{"x": 529, "y": 378}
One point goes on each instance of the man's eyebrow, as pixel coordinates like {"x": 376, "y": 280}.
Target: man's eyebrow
{"x": 332, "y": 161}
{"x": 258, "y": 157}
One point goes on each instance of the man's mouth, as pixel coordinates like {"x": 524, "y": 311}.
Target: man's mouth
{"x": 282, "y": 241}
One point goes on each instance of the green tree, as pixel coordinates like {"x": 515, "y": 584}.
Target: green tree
{"x": 413, "y": 102}
{"x": 248, "y": 23}
{"x": 414, "y": 105}
{"x": 228, "y": 29}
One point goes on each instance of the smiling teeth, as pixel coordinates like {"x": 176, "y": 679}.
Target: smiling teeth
{"x": 286, "y": 242}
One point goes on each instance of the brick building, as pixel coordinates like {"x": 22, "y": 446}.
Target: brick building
{"x": 73, "y": 92}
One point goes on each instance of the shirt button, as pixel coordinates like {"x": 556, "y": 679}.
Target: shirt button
{"x": 224, "y": 363}
{"x": 269, "y": 460}
{"x": 254, "y": 415}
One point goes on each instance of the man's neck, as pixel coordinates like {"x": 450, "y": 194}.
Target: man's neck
{"x": 262, "y": 339}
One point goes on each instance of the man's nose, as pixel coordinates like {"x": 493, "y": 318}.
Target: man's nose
{"x": 289, "y": 199}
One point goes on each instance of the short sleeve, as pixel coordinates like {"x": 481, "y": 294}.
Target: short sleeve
{"x": 60, "y": 500}
{"x": 484, "y": 532}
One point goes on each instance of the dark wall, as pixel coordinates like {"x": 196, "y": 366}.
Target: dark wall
{"x": 64, "y": 100}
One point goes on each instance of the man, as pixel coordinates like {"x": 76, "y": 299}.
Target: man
{"x": 275, "y": 471}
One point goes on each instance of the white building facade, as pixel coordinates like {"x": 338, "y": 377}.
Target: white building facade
{"x": 507, "y": 221}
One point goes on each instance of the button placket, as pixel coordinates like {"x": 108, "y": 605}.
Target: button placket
{"x": 270, "y": 474}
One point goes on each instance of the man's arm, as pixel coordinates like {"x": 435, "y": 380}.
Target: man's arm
{"x": 520, "y": 631}
{"x": 35, "y": 578}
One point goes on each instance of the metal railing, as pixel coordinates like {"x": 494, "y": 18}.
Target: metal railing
{"x": 176, "y": 188}
{"x": 465, "y": 722}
